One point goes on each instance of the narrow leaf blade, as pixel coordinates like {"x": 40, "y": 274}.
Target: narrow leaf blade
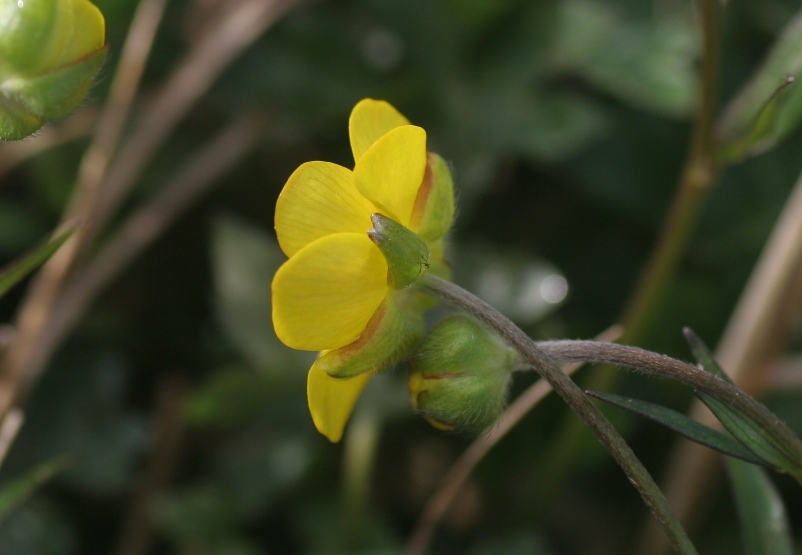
{"x": 14, "y": 493}
{"x": 16, "y": 271}
{"x": 681, "y": 424}
{"x": 752, "y": 436}
{"x": 744, "y": 112}
{"x": 764, "y": 520}
{"x": 703, "y": 355}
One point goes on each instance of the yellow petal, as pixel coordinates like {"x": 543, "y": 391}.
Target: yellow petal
{"x": 331, "y": 400}
{"x": 390, "y": 173}
{"x": 370, "y": 119}
{"x": 324, "y": 296}
{"x": 82, "y": 31}
{"x": 319, "y": 199}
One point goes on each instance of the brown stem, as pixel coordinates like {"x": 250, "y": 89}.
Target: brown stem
{"x": 137, "y": 533}
{"x": 16, "y": 362}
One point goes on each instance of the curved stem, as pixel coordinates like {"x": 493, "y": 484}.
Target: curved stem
{"x": 573, "y": 396}
{"x": 661, "y": 365}
{"x": 447, "y": 489}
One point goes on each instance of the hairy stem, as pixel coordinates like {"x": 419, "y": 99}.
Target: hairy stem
{"x": 573, "y": 396}
{"x": 661, "y": 365}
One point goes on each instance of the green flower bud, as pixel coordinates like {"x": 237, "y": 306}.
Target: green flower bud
{"x": 394, "y": 330}
{"x": 406, "y": 254}
{"x": 50, "y": 53}
{"x": 433, "y": 213}
{"x": 459, "y": 377}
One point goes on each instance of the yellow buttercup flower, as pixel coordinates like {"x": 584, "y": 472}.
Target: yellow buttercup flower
{"x": 335, "y": 293}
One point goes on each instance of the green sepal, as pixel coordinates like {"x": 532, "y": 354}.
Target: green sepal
{"x": 406, "y": 254}
{"x": 27, "y": 102}
{"x": 15, "y": 122}
{"x": 390, "y": 336}
{"x": 458, "y": 378}
{"x": 16, "y": 271}
{"x": 764, "y": 520}
{"x": 433, "y": 213}
{"x": 682, "y": 424}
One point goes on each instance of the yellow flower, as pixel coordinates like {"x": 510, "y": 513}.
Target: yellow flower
{"x": 334, "y": 294}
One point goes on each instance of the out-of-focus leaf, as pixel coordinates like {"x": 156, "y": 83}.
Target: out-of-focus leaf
{"x": 234, "y": 397}
{"x": 741, "y": 130}
{"x": 37, "y": 528}
{"x": 200, "y": 514}
{"x": 681, "y": 424}
{"x": 760, "y": 137}
{"x": 244, "y": 260}
{"x": 514, "y": 117}
{"x": 14, "y": 493}
{"x": 515, "y": 545}
{"x": 258, "y": 470}
{"x": 78, "y": 411}
{"x": 12, "y": 274}
{"x": 646, "y": 65}
{"x": 20, "y": 226}
{"x": 764, "y": 520}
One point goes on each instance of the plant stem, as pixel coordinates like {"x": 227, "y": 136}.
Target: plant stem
{"x": 573, "y": 396}
{"x": 661, "y": 365}
{"x": 697, "y": 178}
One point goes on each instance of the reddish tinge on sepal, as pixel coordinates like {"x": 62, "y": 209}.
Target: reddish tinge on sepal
{"x": 458, "y": 378}
{"x": 390, "y": 336}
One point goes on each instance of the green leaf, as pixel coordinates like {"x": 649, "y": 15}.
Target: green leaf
{"x": 759, "y": 117}
{"x": 681, "y": 424}
{"x": 763, "y": 517}
{"x": 648, "y": 64}
{"x": 750, "y": 434}
{"x": 16, "y": 271}
{"x": 754, "y": 437}
{"x": 703, "y": 355}
{"x": 14, "y": 493}
{"x": 244, "y": 259}
{"x": 761, "y": 135}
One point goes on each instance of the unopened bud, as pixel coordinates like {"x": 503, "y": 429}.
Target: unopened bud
{"x": 50, "y": 53}
{"x": 459, "y": 377}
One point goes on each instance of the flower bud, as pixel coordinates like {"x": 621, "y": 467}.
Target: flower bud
{"x": 406, "y": 254}
{"x": 458, "y": 379}
{"x": 391, "y": 334}
{"x": 50, "y": 53}
{"x": 433, "y": 213}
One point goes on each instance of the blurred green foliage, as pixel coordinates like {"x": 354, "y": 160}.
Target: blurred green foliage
{"x": 566, "y": 123}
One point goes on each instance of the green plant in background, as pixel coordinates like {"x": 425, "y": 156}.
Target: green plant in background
{"x": 50, "y": 53}
{"x": 563, "y": 122}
